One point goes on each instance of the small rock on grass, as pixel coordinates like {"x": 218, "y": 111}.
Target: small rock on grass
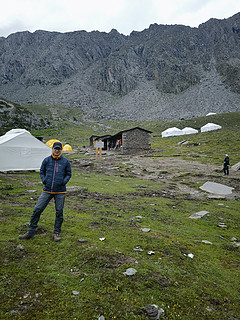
{"x": 222, "y": 225}
{"x": 82, "y": 240}
{"x": 130, "y": 272}
{"x": 206, "y": 242}
{"x": 138, "y": 248}
{"x": 236, "y": 244}
{"x": 151, "y": 253}
{"x": 153, "y": 312}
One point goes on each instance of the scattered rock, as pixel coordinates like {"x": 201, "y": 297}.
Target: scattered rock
{"x": 151, "y": 253}
{"x": 82, "y": 240}
{"x": 138, "y": 248}
{"x": 75, "y": 293}
{"x": 145, "y": 229}
{"x": 206, "y": 242}
{"x": 152, "y": 312}
{"x": 209, "y": 309}
{"x": 216, "y": 188}
{"x": 222, "y": 225}
{"x": 101, "y": 318}
{"x": 27, "y": 295}
{"x": 198, "y": 215}
{"x": 130, "y": 272}
{"x": 236, "y": 244}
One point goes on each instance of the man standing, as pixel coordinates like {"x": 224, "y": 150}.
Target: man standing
{"x": 55, "y": 173}
{"x": 226, "y": 165}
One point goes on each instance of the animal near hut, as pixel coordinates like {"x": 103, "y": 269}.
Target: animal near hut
{"x": 135, "y": 140}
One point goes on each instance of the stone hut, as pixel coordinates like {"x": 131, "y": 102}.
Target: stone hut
{"x": 133, "y": 140}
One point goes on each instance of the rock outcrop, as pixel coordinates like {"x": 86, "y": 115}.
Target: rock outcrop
{"x": 15, "y": 116}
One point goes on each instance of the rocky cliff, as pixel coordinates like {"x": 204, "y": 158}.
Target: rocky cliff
{"x": 161, "y": 73}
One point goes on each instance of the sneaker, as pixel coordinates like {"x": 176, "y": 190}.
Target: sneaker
{"x": 56, "y": 237}
{"x": 26, "y": 236}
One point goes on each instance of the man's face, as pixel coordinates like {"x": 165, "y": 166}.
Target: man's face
{"x": 56, "y": 151}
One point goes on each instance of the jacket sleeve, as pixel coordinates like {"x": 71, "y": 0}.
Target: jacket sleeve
{"x": 68, "y": 173}
{"x": 43, "y": 171}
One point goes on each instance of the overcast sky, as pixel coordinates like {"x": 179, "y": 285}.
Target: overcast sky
{"x": 104, "y": 15}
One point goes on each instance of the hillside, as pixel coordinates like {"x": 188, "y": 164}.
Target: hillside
{"x": 164, "y": 72}
{"x": 16, "y": 116}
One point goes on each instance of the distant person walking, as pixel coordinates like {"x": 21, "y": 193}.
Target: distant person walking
{"x": 55, "y": 173}
{"x": 226, "y": 165}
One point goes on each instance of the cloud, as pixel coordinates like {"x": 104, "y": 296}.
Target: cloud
{"x": 195, "y": 12}
{"x": 104, "y": 15}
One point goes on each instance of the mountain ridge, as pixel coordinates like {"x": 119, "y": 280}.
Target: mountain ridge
{"x": 164, "y": 72}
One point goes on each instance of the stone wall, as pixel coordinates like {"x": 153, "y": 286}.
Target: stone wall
{"x": 136, "y": 140}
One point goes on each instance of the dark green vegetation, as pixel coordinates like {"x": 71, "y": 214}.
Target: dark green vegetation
{"x": 39, "y": 277}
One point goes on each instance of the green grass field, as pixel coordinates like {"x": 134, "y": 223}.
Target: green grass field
{"x": 41, "y": 279}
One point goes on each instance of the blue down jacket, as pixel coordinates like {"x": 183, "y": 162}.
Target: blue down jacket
{"x": 55, "y": 174}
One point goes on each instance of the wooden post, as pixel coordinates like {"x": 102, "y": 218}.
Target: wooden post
{"x": 98, "y": 146}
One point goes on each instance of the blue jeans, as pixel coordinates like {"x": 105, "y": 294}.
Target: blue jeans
{"x": 40, "y": 206}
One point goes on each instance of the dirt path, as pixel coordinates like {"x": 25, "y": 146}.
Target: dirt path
{"x": 178, "y": 177}
{"x": 182, "y": 176}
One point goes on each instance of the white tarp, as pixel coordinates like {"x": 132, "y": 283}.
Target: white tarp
{"x": 189, "y": 130}
{"x": 19, "y": 150}
{"x": 170, "y": 132}
{"x": 210, "y": 126}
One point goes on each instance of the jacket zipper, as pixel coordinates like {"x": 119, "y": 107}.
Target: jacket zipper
{"x": 55, "y": 169}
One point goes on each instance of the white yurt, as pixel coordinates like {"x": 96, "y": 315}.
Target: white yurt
{"x": 19, "y": 150}
{"x": 189, "y": 130}
{"x": 210, "y": 114}
{"x": 170, "y": 132}
{"x": 210, "y": 126}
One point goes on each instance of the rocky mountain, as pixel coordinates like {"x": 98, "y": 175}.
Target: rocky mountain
{"x": 16, "y": 116}
{"x": 164, "y": 72}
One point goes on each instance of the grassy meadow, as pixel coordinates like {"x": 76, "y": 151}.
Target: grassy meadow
{"x": 187, "y": 278}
